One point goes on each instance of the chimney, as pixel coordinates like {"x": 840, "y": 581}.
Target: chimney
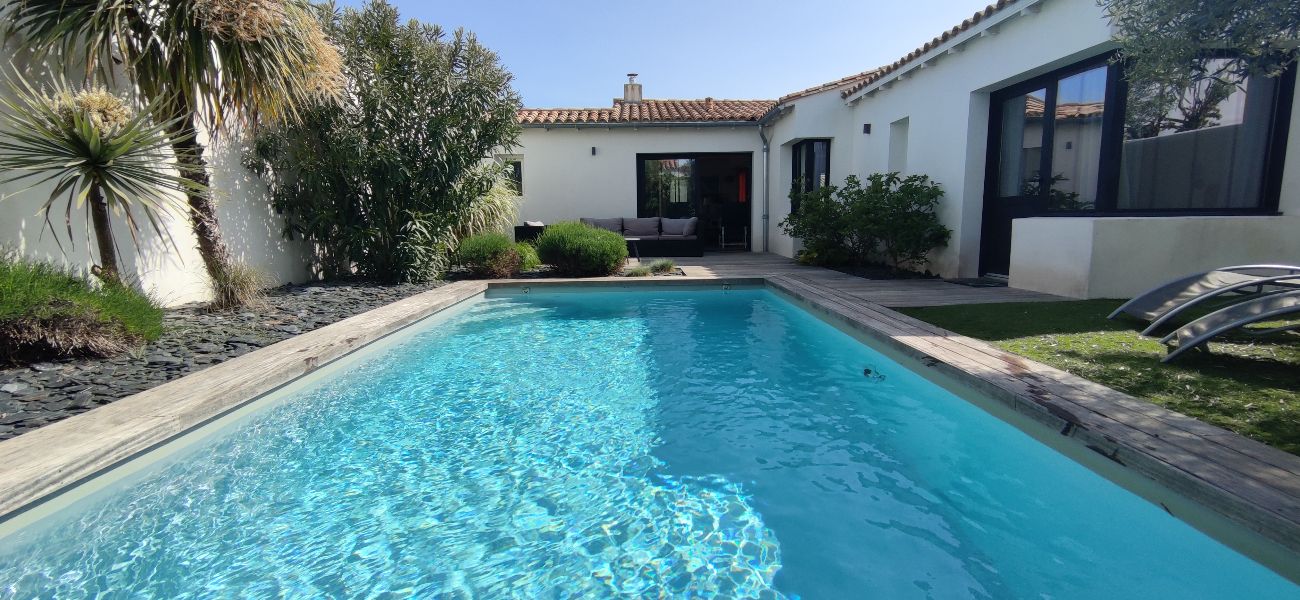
{"x": 631, "y": 90}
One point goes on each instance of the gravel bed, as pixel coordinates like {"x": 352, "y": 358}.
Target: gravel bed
{"x": 42, "y": 393}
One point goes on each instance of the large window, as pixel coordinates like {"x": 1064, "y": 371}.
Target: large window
{"x": 1198, "y": 145}
{"x": 1083, "y": 140}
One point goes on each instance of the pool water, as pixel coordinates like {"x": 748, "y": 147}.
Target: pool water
{"x": 680, "y": 443}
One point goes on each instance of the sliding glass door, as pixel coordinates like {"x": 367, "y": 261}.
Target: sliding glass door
{"x": 715, "y": 187}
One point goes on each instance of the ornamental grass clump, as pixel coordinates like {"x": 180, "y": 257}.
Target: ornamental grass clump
{"x": 528, "y": 259}
{"x": 663, "y": 266}
{"x": 579, "y": 250}
{"x": 489, "y": 255}
{"x": 48, "y": 312}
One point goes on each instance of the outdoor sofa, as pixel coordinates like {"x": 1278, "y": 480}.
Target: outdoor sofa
{"x": 655, "y": 236}
{"x": 650, "y": 236}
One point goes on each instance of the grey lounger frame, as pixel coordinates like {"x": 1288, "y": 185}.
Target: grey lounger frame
{"x": 1236, "y": 316}
{"x": 1151, "y": 304}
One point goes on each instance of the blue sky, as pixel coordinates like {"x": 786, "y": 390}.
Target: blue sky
{"x": 574, "y": 53}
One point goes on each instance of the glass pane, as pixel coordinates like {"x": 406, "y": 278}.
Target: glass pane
{"x": 1199, "y": 143}
{"x": 1020, "y": 158}
{"x": 821, "y": 159}
{"x": 1076, "y": 140}
{"x": 668, "y": 190}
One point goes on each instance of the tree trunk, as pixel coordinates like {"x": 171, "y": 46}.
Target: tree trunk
{"x": 99, "y": 218}
{"x": 203, "y": 214}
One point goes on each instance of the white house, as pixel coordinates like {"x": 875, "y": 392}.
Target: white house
{"x": 1085, "y": 204}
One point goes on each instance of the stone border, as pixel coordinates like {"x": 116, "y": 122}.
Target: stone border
{"x": 1246, "y": 482}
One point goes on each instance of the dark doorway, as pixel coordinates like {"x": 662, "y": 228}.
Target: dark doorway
{"x": 716, "y": 187}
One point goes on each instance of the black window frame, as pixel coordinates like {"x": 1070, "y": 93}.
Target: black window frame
{"x": 1112, "y": 142}
{"x": 807, "y": 184}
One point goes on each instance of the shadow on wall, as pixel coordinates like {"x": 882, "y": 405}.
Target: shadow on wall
{"x": 253, "y": 231}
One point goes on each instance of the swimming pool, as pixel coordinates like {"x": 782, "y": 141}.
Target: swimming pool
{"x": 622, "y": 444}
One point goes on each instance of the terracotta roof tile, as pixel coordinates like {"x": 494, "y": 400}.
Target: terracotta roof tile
{"x": 974, "y": 20}
{"x": 651, "y": 111}
{"x": 830, "y": 85}
{"x": 1034, "y": 108}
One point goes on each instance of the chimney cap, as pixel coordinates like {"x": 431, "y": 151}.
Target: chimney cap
{"x": 631, "y": 77}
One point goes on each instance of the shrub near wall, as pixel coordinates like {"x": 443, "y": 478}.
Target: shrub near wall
{"x": 580, "y": 250}
{"x": 891, "y": 217}
{"x": 489, "y": 255}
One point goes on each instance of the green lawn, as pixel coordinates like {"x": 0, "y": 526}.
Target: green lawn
{"x": 1245, "y": 384}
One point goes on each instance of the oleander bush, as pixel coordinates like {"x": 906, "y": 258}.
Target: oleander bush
{"x": 490, "y": 255}
{"x": 47, "y": 312}
{"x": 388, "y": 182}
{"x": 579, "y": 250}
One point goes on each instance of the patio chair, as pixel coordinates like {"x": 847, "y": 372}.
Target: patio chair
{"x": 1236, "y": 317}
{"x": 1156, "y": 304}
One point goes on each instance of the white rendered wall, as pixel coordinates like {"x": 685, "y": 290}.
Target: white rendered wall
{"x": 173, "y": 275}
{"x": 564, "y": 181}
{"x": 1119, "y": 257}
{"x": 947, "y": 107}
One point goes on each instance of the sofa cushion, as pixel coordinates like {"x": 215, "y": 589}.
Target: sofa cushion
{"x": 641, "y": 227}
{"x": 615, "y": 224}
{"x": 679, "y": 226}
{"x": 667, "y": 236}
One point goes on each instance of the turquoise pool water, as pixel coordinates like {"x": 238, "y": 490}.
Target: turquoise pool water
{"x": 685, "y": 444}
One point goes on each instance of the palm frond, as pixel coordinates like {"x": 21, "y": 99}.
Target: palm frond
{"x": 254, "y": 59}
{"x": 45, "y": 142}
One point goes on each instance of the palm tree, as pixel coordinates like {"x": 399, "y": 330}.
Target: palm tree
{"x": 97, "y": 154}
{"x": 209, "y": 63}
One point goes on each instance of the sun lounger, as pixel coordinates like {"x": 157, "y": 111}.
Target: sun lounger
{"x": 1200, "y": 287}
{"x": 1237, "y": 316}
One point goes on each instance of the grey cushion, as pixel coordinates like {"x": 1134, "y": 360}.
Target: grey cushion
{"x": 679, "y": 226}
{"x": 615, "y": 224}
{"x": 641, "y": 227}
{"x": 676, "y": 237}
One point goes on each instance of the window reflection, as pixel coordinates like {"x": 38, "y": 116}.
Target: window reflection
{"x": 668, "y": 190}
{"x": 1076, "y": 141}
{"x": 1022, "y": 145}
{"x": 1199, "y": 143}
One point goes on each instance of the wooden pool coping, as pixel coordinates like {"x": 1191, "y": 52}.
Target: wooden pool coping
{"x": 1248, "y": 483}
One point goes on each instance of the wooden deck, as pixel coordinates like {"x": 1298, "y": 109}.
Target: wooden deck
{"x": 885, "y": 292}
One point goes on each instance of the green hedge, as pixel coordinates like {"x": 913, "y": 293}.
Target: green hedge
{"x": 580, "y": 250}
{"x": 489, "y": 255}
